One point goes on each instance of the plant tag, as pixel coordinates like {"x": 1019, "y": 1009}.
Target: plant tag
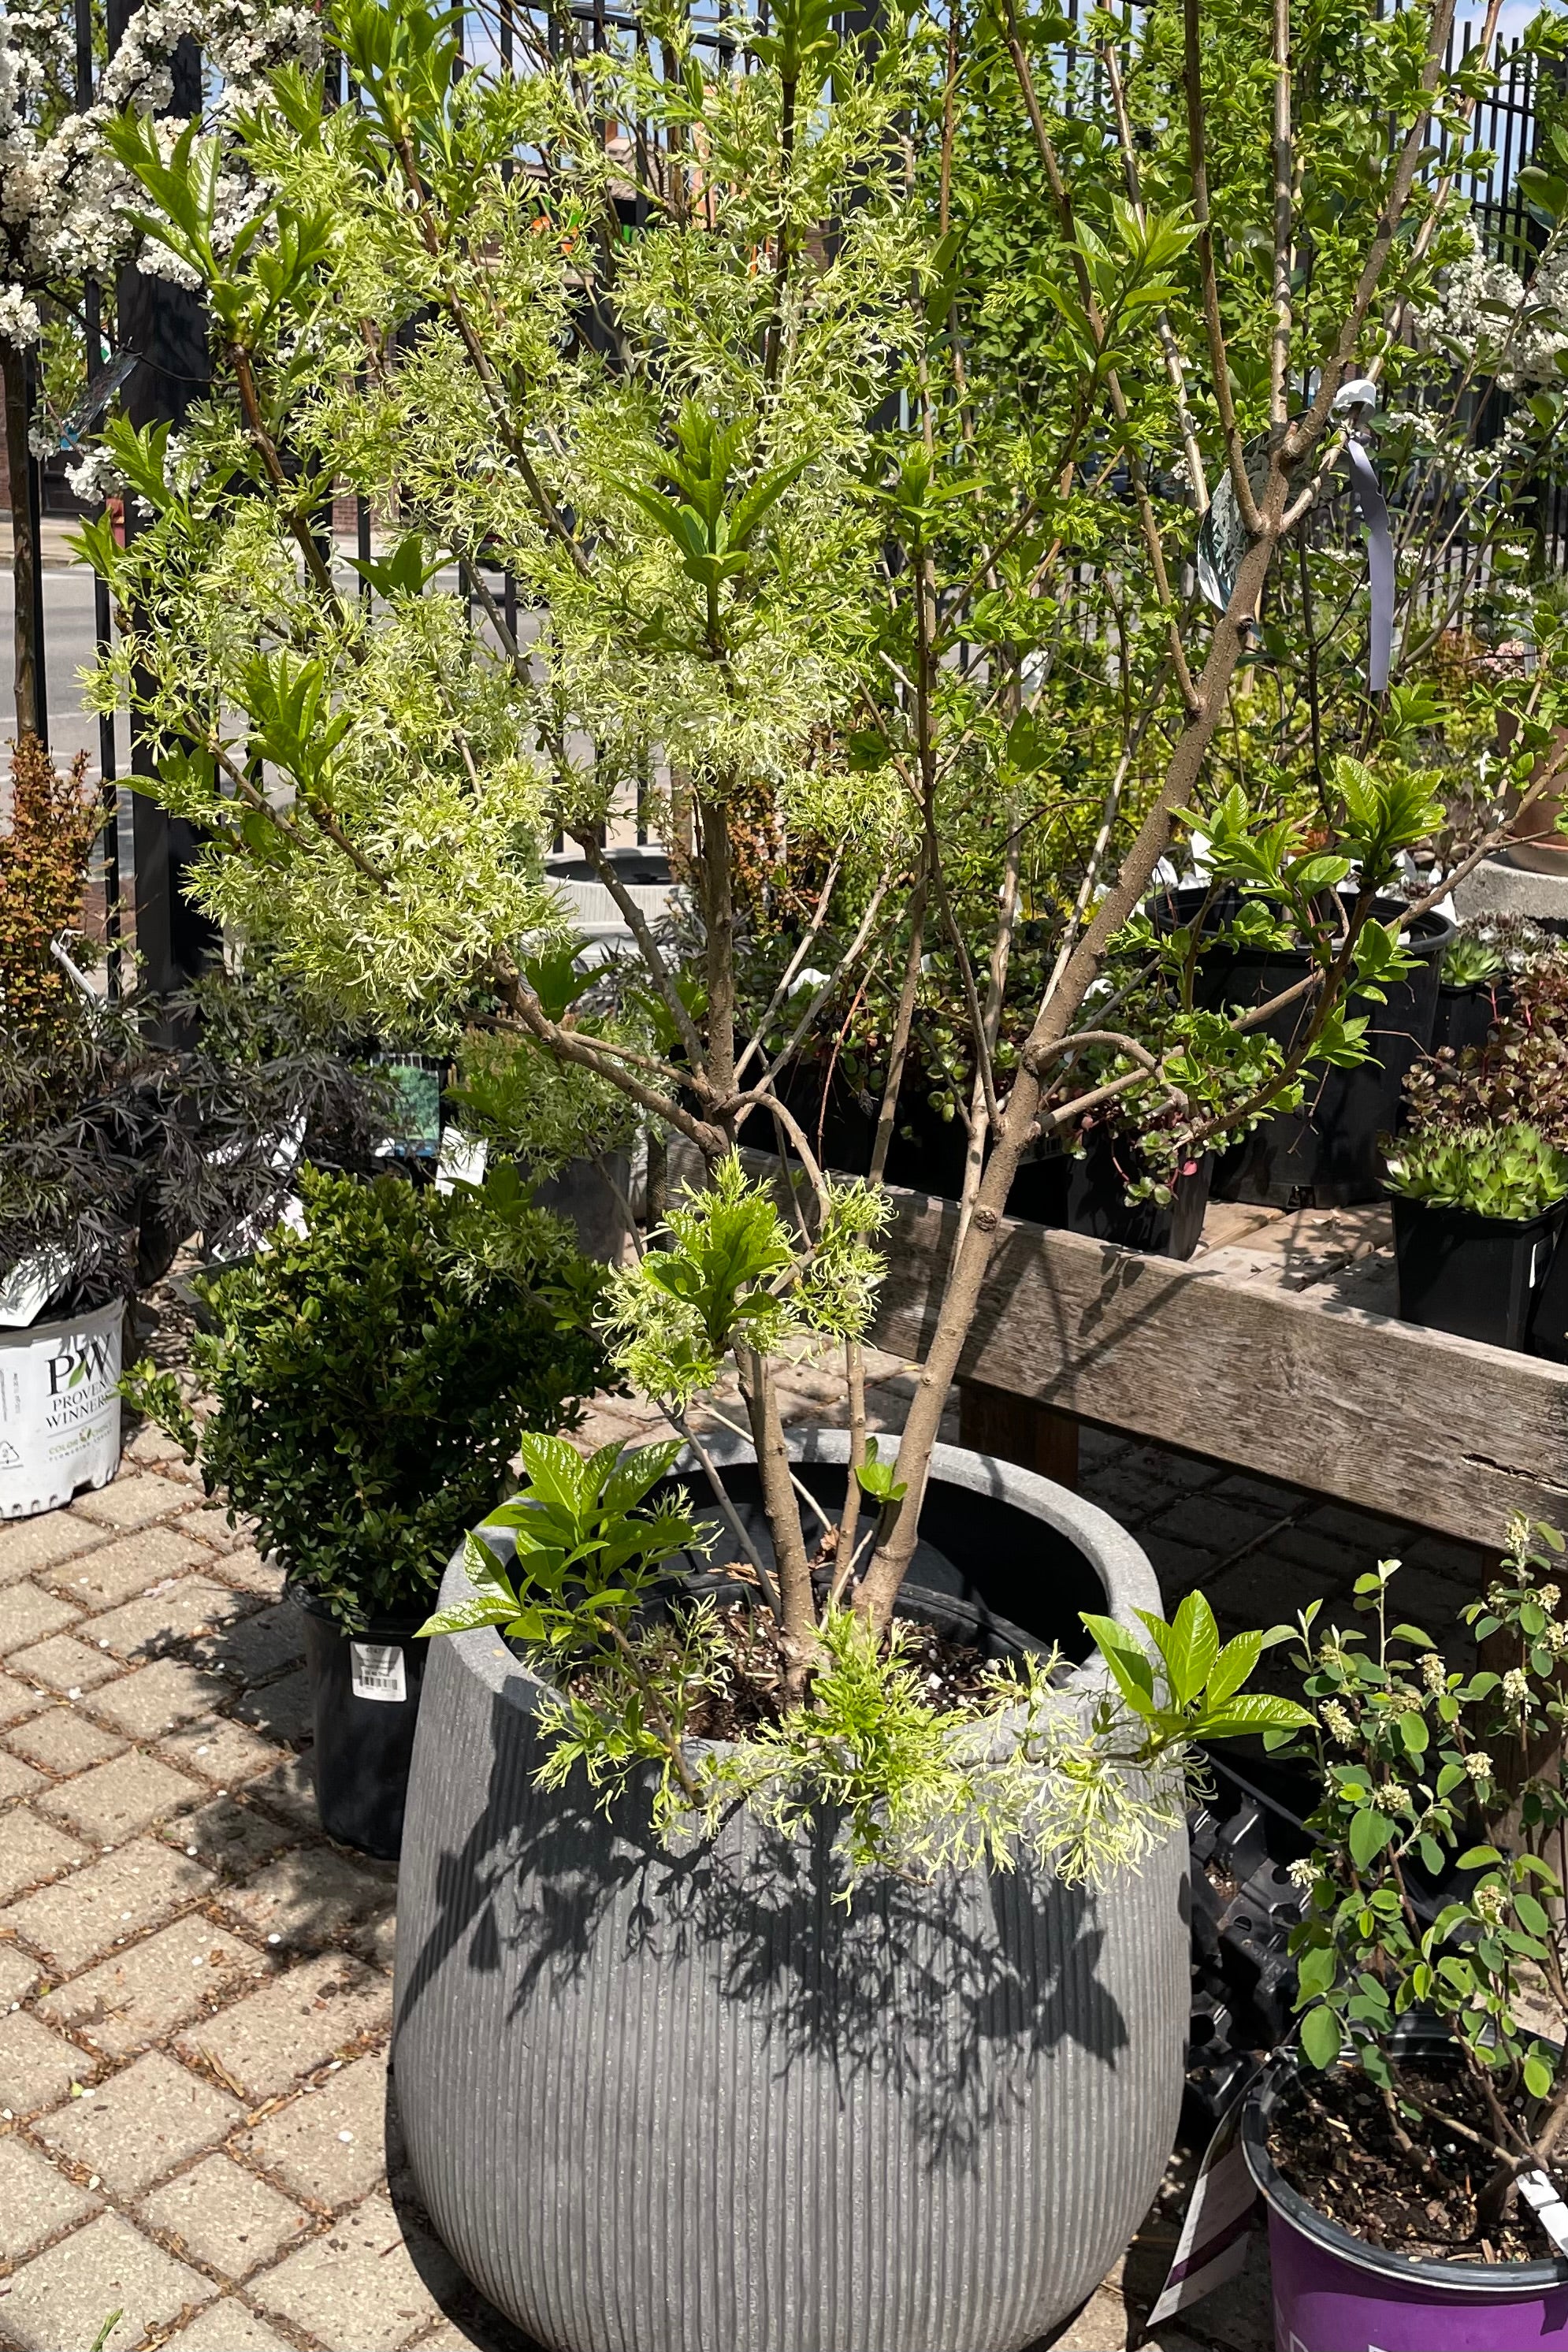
{"x": 1212, "y": 2247}
{"x": 1550, "y": 2210}
{"x": 463, "y": 1161}
{"x": 377, "y": 1670}
{"x": 31, "y": 1284}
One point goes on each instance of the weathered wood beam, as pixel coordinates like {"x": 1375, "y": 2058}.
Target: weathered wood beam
{"x": 1417, "y": 1425}
{"x": 1225, "y": 1357}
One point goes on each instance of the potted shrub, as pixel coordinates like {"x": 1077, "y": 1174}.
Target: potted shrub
{"x": 874, "y": 595}
{"x": 70, "y": 1177}
{"x": 683, "y": 1841}
{"x": 1325, "y": 1152}
{"x": 1409, "y": 2148}
{"x": 114, "y": 1149}
{"x": 1113, "y": 1196}
{"x": 363, "y": 1383}
{"x": 1476, "y": 1214}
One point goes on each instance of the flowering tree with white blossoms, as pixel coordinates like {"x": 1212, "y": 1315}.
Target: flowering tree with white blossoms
{"x": 64, "y": 198}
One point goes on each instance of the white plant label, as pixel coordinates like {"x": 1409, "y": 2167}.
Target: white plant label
{"x": 1212, "y": 2247}
{"x": 1550, "y": 2210}
{"x": 377, "y": 1670}
{"x": 59, "y": 1409}
{"x": 26, "y": 1289}
{"x": 463, "y": 1161}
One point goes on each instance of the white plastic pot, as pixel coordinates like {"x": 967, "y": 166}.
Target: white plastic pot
{"x": 59, "y": 1410}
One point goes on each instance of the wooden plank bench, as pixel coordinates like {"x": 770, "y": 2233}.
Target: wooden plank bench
{"x": 1275, "y": 1349}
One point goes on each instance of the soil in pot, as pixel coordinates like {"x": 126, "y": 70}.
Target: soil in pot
{"x": 1325, "y": 1155}
{"x": 365, "y": 1692}
{"x": 1478, "y": 1277}
{"x": 995, "y": 1581}
{"x": 942, "y": 1641}
{"x": 1098, "y": 1203}
{"x": 1336, "y": 2147}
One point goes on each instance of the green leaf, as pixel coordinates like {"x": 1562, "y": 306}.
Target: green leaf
{"x": 1250, "y": 1711}
{"x": 1478, "y": 1857}
{"x": 1189, "y": 1645}
{"x": 1537, "y": 2076}
{"x": 1369, "y": 1832}
{"x": 1322, "y": 2038}
{"x": 1316, "y": 1972}
{"x": 479, "y": 1608}
{"x": 1126, "y": 1658}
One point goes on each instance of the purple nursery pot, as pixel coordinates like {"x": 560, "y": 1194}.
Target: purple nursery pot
{"x": 1335, "y": 2292}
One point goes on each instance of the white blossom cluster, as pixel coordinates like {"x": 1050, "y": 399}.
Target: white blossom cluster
{"x": 94, "y": 476}
{"x": 63, "y": 199}
{"x": 1485, "y": 308}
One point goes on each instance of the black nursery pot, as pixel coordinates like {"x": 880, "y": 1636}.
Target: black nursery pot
{"x": 365, "y": 1729}
{"x": 1325, "y": 1155}
{"x": 1174, "y": 907}
{"x": 1477, "y": 1277}
{"x": 927, "y": 1153}
{"x": 1097, "y": 1203}
{"x": 1466, "y": 1015}
{"x": 1549, "y": 1325}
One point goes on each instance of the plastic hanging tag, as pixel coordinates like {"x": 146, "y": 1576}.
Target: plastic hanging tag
{"x": 376, "y": 1669}
{"x": 1212, "y": 2247}
{"x": 463, "y": 1161}
{"x": 1546, "y": 2199}
{"x": 26, "y": 1287}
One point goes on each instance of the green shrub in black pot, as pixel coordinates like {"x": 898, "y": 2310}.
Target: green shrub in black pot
{"x": 369, "y": 1379}
{"x": 1474, "y": 1213}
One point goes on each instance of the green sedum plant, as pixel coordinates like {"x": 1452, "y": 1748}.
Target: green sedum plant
{"x": 1473, "y": 961}
{"x": 1509, "y": 1172}
{"x": 369, "y": 1377}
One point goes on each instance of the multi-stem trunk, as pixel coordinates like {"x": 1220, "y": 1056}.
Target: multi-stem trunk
{"x": 962, "y": 1296}
{"x": 791, "y": 1568}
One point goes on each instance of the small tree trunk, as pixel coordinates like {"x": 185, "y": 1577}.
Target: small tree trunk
{"x": 792, "y": 1570}
{"x": 18, "y": 459}
{"x": 655, "y": 1207}
{"x": 962, "y": 1296}
{"x": 719, "y": 916}
{"x": 903, "y": 1024}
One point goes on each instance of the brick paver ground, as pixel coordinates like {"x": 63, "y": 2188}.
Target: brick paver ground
{"x": 198, "y": 2126}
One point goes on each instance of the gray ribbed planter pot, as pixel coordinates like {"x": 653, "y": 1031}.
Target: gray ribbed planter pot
{"x": 660, "y": 2102}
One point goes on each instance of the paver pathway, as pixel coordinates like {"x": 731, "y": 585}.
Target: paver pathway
{"x": 196, "y": 2124}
